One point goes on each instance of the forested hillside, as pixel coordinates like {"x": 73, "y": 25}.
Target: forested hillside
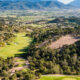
{"x": 39, "y": 40}
{"x": 31, "y": 56}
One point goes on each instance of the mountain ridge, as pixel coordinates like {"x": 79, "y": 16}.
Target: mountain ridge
{"x": 30, "y": 5}
{"x": 75, "y": 3}
{"x": 33, "y": 4}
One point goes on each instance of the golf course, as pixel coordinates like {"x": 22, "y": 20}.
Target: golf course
{"x": 59, "y": 78}
{"x": 15, "y": 46}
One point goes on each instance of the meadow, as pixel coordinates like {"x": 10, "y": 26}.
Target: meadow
{"x": 14, "y": 48}
{"x": 59, "y": 78}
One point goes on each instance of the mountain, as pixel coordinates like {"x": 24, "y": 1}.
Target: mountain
{"x": 29, "y": 0}
{"x": 75, "y": 3}
{"x": 31, "y": 4}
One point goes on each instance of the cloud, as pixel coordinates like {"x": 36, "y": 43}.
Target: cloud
{"x": 65, "y": 1}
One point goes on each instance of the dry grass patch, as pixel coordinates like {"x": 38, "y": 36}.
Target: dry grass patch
{"x": 64, "y": 40}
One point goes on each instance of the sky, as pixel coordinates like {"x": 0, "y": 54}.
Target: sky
{"x": 65, "y": 1}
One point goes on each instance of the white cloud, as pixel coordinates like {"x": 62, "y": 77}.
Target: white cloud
{"x": 65, "y": 1}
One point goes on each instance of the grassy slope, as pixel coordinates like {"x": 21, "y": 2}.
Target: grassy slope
{"x": 59, "y": 78}
{"x": 19, "y": 43}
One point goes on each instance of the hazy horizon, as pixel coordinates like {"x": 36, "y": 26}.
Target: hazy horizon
{"x": 65, "y": 1}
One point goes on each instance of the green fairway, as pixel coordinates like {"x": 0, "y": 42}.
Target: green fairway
{"x": 14, "y": 48}
{"x": 59, "y": 78}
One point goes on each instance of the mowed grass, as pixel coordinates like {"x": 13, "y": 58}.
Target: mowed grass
{"x": 19, "y": 43}
{"x": 59, "y": 78}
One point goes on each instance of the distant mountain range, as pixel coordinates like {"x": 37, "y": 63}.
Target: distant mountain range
{"x": 75, "y": 3}
{"x": 29, "y": 0}
{"x": 33, "y": 4}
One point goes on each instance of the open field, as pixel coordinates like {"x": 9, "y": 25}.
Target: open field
{"x": 64, "y": 40}
{"x": 59, "y": 78}
{"x": 14, "y": 48}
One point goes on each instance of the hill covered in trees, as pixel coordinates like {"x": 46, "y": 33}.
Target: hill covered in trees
{"x": 45, "y": 60}
{"x": 39, "y": 58}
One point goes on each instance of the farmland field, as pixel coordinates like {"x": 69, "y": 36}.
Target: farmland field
{"x": 14, "y": 48}
{"x": 59, "y": 78}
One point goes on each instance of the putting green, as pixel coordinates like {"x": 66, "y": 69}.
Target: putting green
{"x": 59, "y": 78}
{"x": 19, "y": 43}
{"x": 69, "y": 79}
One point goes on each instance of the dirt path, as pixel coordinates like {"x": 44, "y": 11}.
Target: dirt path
{"x": 17, "y": 68}
{"x": 64, "y": 40}
{"x": 42, "y": 44}
{"x": 12, "y": 71}
{"x": 19, "y": 61}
